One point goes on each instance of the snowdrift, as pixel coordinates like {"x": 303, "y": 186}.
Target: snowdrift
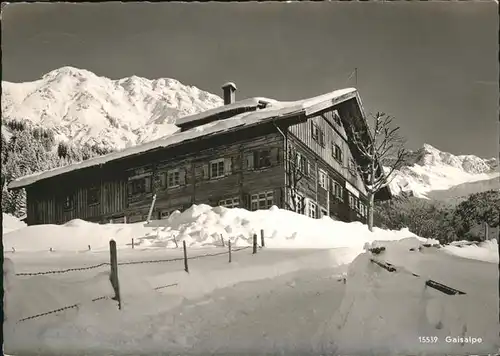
{"x": 202, "y": 226}
{"x": 397, "y": 314}
{"x": 11, "y": 223}
{"x": 484, "y": 251}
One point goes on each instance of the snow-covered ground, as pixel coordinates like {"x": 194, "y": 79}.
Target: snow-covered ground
{"x": 289, "y": 298}
{"x": 201, "y": 226}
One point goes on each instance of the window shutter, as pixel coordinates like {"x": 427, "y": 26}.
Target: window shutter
{"x": 306, "y": 206}
{"x": 274, "y": 156}
{"x": 205, "y": 173}
{"x": 278, "y": 198}
{"x": 163, "y": 179}
{"x": 147, "y": 184}
{"x": 249, "y": 161}
{"x": 130, "y": 188}
{"x": 228, "y": 165}
{"x": 182, "y": 176}
{"x": 246, "y": 201}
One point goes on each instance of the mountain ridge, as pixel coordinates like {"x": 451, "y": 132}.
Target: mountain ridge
{"x": 85, "y": 108}
{"x": 433, "y": 174}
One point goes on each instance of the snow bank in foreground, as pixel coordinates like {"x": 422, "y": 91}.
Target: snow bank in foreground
{"x": 11, "y": 223}
{"x": 202, "y": 225}
{"x": 485, "y": 251}
{"x": 389, "y": 313}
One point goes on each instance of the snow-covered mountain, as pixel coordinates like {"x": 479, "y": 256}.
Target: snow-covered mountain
{"x": 85, "y": 108}
{"x": 431, "y": 173}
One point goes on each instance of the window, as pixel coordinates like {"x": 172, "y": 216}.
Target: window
{"x": 303, "y": 164}
{"x": 317, "y": 134}
{"x": 173, "y": 178}
{"x": 263, "y": 200}
{"x": 323, "y": 179}
{"x": 337, "y": 191}
{"x": 336, "y": 118}
{"x": 230, "y": 202}
{"x": 363, "y": 209}
{"x": 352, "y": 167}
{"x": 355, "y": 204}
{"x": 262, "y": 159}
{"x": 311, "y": 211}
{"x": 217, "y": 168}
{"x": 138, "y": 185}
{"x": 337, "y": 152}
{"x": 299, "y": 204}
{"x": 93, "y": 196}
{"x": 68, "y": 202}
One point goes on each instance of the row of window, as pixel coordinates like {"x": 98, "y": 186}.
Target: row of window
{"x": 307, "y": 207}
{"x": 356, "y": 205}
{"x": 215, "y": 169}
{"x": 258, "y": 201}
{"x": 318, "y": 135}
{"x": 331, "y": 185}
{"x": 310, "y": 208}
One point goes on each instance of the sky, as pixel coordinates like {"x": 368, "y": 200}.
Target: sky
{"x": 433, "y": 66}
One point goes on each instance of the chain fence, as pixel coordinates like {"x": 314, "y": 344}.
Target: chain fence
{"x": 77, "y": 269}
{"x": 63, "y": 270}
{"x": 182, "y": 258}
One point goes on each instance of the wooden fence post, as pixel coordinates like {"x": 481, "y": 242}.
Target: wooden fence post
{"x": 254, "y": 244}
{"x": 113, "y": 277}
{"x": 222, "y": 239}
{"x": 262, "y": 238}
{"x": 175, "y": 240}
{"x": 185, "y": 257}
{"x": 132, "y": 242}
{"x": 229, "y": 244}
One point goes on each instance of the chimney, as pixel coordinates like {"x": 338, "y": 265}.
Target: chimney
{"x": 229, "y": 93}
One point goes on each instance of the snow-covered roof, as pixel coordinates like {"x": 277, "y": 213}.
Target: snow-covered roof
{"x": 273, "y": 110}
{"x": 251, "y": 103}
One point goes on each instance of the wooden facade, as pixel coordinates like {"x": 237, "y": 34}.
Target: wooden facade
{"x": 333, "y": 186}
{"x": 243, "y": 168}
{"x": 236, "y": 169}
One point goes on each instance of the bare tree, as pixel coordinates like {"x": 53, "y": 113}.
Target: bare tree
{"x": 379, "y": 145}
{"x": 295, "y": 171}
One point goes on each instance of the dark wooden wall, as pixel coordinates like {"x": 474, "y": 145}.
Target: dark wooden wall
{"x": 45, "y": 201}
{"x": 46, "y": 198}
{"x": 197, "y": 188}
